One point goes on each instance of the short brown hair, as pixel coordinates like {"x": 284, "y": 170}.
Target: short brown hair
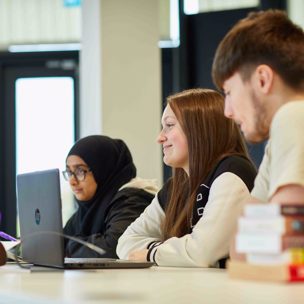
{"x": 210, "y": 136}
{"x": 265, "y": 37}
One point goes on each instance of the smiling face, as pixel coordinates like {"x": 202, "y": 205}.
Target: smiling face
{"x": 244, "y": 104}
{"x": 83, "y": 190}
{"x": 174, "y": 141}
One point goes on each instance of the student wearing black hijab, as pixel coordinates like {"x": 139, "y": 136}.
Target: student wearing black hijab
{"x": 102, "y": 176}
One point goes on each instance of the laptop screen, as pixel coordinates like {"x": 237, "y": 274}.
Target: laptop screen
{"x": 40, "y": 216}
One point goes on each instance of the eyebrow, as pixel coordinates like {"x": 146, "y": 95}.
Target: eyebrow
{"x": 77, "y": 166}
{"x": 168, "y": 117}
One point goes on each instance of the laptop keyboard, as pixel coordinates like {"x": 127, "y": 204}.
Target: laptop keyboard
{"x": 88, "y": 260}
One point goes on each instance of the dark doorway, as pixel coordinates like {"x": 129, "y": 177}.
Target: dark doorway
{"x": 37, "y": 76}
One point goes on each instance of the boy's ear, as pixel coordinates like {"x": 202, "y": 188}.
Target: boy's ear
{"x": 264, "y": 75}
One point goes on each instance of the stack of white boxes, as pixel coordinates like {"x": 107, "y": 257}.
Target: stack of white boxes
{"x": 271, "y": 237}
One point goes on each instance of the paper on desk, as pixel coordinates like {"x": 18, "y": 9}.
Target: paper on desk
{"x": 9, "y": 244}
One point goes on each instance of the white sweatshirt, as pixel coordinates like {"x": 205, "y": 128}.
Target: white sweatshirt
{"x": 210, "y": 238}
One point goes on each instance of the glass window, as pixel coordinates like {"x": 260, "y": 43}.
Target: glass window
{"x": 45, "y": 127}
{"x": 199, "y": 6}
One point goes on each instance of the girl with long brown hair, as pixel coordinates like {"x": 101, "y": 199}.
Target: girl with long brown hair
{"x": 192, "y": 219}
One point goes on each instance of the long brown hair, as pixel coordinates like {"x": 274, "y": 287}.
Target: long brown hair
{"x": 211, "y": 136}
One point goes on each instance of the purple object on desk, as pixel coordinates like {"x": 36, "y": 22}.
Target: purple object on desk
{"x": 7, "y": 236}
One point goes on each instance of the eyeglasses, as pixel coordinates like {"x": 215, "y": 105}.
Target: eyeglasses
{"x": 79, "y": 174}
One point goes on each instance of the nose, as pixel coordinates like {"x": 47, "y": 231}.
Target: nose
{"x": 161, "y": 137}
{"x": 73, "y": 180}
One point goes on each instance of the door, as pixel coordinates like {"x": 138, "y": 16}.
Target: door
{"x": 39, "y": 112}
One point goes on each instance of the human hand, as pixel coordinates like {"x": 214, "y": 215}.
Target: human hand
{"x": 139, "y": 255}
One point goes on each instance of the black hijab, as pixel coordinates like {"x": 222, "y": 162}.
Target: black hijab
{"x": 112, "y": 166}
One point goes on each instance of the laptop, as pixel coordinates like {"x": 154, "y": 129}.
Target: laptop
{"x": 40, "y": 216}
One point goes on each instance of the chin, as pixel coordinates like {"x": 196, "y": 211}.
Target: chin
{"x": 167, "y": 164}
{"x": 171, "y": 163}
{"x": 166, "y": 161}
{"x": 80, "y": 197}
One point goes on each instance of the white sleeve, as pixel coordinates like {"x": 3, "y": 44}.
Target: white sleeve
{"x": 143, "y": 231}
{"x": 287, "y": 147}
{"x": 211, "y": 236}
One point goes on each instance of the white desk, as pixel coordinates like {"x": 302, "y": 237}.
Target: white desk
{"x": 156, "y": 285}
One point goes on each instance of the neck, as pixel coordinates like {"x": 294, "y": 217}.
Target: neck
{"x": 280, "y": 95}
{"x": 186, "y": 169}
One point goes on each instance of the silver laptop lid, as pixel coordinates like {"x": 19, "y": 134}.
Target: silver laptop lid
{"x": 40, "y": 216}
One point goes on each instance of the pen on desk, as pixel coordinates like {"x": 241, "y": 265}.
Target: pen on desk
{"x": 7, "y": 236}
